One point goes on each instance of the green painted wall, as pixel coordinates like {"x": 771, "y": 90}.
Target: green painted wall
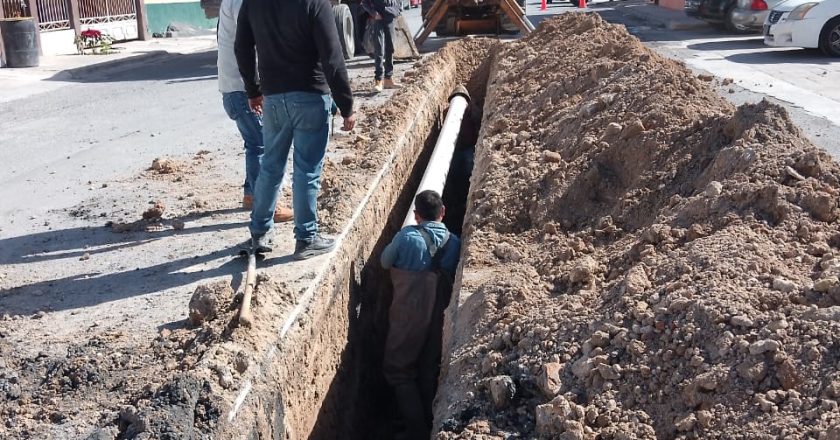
{"x": 160, "y": 15}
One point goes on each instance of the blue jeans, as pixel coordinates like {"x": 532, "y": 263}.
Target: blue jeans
{"x": 302, "y": 118}
{"x": 383, "y": 47}
{"x": 250, "y": 127}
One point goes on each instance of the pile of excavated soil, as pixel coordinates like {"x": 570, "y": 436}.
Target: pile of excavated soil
{"x": 642, "y": 259}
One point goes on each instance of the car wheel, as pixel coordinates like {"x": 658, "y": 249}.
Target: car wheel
{"x": 830, "y": 37}
{"x": 344, "y": 24}
{"x": 730, "y": 24}
{"x": 575, "y": 3}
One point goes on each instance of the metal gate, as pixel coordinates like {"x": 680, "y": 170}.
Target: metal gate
{"x": 116, "y": 18}
{"x": 106, "y": 11}
{"x": 53, "y": 15}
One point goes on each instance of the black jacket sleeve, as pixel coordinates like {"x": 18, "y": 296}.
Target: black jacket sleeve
{"x": 330, "y": 54}
{"x": 246, "y": 54}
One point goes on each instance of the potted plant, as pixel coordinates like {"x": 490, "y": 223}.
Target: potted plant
{"x": 20, "y": 38}
{"x": 95, "y": 41}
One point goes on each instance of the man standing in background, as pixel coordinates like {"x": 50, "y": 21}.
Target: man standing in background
{"x": 383, "y": 15}
{"x": 300, "y": 63}
{"x": 236, "y": 104}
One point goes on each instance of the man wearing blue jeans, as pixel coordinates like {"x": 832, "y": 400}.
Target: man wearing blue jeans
{"x": 383, "y": 15}
{"x": 235, "y": 102}
{"x": 300, "y": 64}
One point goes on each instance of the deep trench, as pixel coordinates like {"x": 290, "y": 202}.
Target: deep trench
{"x": 360, "y": 404}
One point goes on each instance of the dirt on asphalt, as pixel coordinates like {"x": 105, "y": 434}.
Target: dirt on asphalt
{"x": 643, "y": 260}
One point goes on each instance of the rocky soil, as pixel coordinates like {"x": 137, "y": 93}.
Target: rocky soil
{"x": 642, "y": 259}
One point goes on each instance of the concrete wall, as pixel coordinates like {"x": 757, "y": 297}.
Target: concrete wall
{"x": 161, "y": 13}
{"x": 58, "y": 42}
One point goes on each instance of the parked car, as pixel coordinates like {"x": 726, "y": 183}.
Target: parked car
{"x": 805, "y": 23}
{"x": 735, "y": 15}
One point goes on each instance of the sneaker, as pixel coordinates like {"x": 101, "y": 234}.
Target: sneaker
{"x": 318, "y": 246}
{"x": 378, "y": 86}
{"x": 262, "y": 244}
{"x": 283, "y": 214}
{"x": 390, "y": 84}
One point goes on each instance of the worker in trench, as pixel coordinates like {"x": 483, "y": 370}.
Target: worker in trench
{"x": 422, "y": 259}
{"x": 300, "y": 64}
{"x": 235, "y": 103}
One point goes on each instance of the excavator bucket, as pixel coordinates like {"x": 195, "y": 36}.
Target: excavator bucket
{"x": 404, "y": 48}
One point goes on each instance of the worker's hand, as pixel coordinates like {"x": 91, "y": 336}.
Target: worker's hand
{"x": 256, "y": 104}
{"x": 349, "y": 122}
{"x": 377, "y": 17}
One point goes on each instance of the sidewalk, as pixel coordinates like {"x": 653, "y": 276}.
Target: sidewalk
{"x": 57, "y": 70}
{"x": 654, "y": 15}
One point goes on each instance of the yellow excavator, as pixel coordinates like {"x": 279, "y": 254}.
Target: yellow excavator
{"x": 467, "y": 17}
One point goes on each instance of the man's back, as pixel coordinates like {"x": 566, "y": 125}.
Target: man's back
{"x": 297, "y": 46}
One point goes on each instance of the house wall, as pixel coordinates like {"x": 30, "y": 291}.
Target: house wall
{"x": 160, "y": 13}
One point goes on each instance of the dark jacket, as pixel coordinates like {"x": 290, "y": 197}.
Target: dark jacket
{"x": 388, "y": 9}
{"x": 298, "y": 48}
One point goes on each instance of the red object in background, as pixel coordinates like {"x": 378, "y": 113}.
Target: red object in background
{"x": 758, "y": 5}
{"x": 582, "y": 4}
{"x": 414, "y": 3}
{"x": 543, "y": 5}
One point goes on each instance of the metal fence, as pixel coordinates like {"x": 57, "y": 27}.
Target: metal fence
{"x": 15, "y": 8}
{"x": 53, "y": 14}
{"x": 106, "y": 11}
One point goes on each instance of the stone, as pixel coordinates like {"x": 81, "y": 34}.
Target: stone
{"x": 763, "y": 346}
{"x": 552, "y": 417}
{"x": 686, "y": 423}
{"x": 502, "y": 389}
{"x": 713, "y": 189}
{"x": 633, "y": 129}
{"x": 784, "y": 285}
{"x": 705, "y": 418}
{"x": 778, "y": 324}
{"x": 208, "y": 300}
{"x": 636, "y": 281}
{"x": 608, "y": 372}
{"x": 582, "y": 368}
{"x": 584, "y": 270}
{"x": 741, "y": 321}
{"x": 178, "y": 225}
{"x": 613, "y": 129}
{"x": 788, "y": 375}
{"x": 825, "y": 284}
{"x": 552, "y": 157}
{"x": 549, "y": 379}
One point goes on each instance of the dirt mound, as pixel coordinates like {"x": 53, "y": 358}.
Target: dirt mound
{"x": 642, "y": 260}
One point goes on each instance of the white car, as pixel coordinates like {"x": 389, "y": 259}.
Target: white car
{"x": 805, "y": 23}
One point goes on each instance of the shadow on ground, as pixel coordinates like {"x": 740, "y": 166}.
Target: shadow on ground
{"x": 150, "y": 66}
{"x": 106, "y": 281}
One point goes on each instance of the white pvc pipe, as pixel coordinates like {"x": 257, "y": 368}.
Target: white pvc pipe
{"x": 434, "y": 178}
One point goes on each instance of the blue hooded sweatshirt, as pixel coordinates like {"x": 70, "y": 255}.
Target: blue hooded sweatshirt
{"x": 407, "y": 251}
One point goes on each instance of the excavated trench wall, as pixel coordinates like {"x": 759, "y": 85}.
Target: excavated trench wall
{"x": 313, "y": 379}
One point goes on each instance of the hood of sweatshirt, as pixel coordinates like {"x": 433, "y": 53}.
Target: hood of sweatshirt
{"x": 437, "y": 231}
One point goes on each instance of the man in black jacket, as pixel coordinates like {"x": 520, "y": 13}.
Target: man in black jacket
{"x": 383, "y": 14}
{"x": 300, "y": 63}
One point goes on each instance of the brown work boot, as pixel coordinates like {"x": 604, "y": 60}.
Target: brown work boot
{"x": 247, "y": 201}
{"x": 283, "y": 214}
{"x": 390, "y": 84}
{"x": 377, "y": 85}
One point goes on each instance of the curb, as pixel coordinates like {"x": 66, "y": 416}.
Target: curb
{"x": 109, "y": 66}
